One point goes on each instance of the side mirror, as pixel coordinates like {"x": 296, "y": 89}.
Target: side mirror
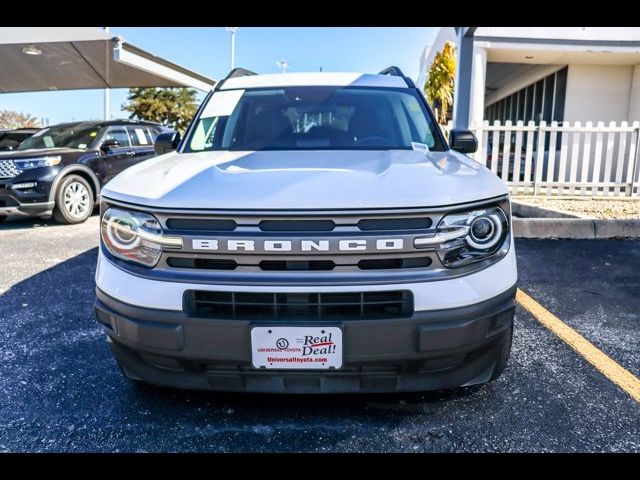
{"x": 109, "y": 144}
{"x": 166, "y": 142}
{"x": 463, "y": 141}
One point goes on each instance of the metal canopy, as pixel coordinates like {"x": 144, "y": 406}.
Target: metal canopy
{"x": 44, "y": 58}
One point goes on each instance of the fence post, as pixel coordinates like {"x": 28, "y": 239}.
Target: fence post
{"x": 495, "y": 145}
{"x": 539, "y": 165}
{"x": 622, "y": 145}
{"x": 531, "y": 133}
{"x": 506, "y": 151}
{"x": 586, "y": 157}
{"x": 597, "y": 159}
{"x": 608, "y": 158}
{"x": 517, "y": 156}
{"x": 551, "y": 157}
{"x": 485, "y": 142}
{"x": 575, "y": 151}
{"x": 634, "y": 166}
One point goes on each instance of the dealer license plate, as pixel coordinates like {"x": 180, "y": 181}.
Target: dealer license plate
{"x": 308, "y": 348}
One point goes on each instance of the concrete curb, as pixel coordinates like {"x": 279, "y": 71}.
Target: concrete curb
{"x": 576, "y": 228}
{"x": 533, "y": 211}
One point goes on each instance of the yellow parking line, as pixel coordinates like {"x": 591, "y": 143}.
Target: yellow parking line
{"x": 609, "y": 368}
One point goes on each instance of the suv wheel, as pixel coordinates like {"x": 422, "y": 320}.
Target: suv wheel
{"x": 74, "y": 200}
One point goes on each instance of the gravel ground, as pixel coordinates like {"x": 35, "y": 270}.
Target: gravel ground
{"x": 592, "y": 207}
{"x": 60, "y": 389}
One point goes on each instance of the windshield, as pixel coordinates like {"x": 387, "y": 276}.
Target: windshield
{"x": 65, "y": 136}
{"x": 10, "y": 140}
{"x": 313, "y": 118}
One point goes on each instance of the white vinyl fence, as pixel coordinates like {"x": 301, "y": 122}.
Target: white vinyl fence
{"x": 562, "y": 159}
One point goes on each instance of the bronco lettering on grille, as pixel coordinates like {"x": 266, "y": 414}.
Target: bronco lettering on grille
{"x": 274, "y": 245}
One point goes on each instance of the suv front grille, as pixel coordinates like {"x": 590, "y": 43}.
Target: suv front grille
{"x": 302, "y": 306}
{"x": 304, "y": 248}
{"x": 296, "y": 228}
{"x": 299, "y": 225}
{"x": 286, "y": 265}
{"x": 8, "y": 169}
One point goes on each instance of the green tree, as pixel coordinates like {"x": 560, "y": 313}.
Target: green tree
{"x": 440, "y": 81}
{"x": 11, "y": 119}
{"x": 172, "y": 107}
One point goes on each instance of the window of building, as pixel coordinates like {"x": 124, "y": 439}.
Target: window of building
{"x": 521, "y": 104}
{"x": 542, "y": 100}
{"x": 547, "y": 107}
{"x": 537, "y": 104}
{"x": 528, "y": 109}
{"x": 561, "y": 91}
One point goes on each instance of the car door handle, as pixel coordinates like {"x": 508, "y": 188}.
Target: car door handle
{"x": 131, "y": 154}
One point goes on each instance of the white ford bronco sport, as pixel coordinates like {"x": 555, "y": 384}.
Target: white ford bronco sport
{"x": 310, "y": 233}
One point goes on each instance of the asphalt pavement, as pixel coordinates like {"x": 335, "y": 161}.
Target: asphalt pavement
{"x": 60, "y": 389}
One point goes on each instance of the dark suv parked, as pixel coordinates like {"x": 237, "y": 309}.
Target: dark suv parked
{"x": 61, "y": 169}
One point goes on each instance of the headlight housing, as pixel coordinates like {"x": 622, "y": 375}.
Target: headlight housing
{"x": 467, "y": 237}
{"x": 37, "y": 162}
{"x": 487, "y": 230}
{"x": 135, "y": 236}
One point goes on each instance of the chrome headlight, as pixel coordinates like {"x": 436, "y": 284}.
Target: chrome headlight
{"x": 135, "y": 236}
{"x": 462, "y": 238}
{"x": 37, "y": 162}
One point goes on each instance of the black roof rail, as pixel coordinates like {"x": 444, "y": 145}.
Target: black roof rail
{"x": 396, "y": 72}
{"x": 234, "y": 73}
{"x": 239, "y": 72}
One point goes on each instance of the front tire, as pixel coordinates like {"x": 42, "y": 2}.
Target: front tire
{"x": 74, "y": 200}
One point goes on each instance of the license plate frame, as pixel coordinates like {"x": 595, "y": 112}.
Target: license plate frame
{"x": 297, "y": 347}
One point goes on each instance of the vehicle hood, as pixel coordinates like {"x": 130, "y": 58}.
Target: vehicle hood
{"x": 36, "y": 152}
{"x": 305, "y": 180}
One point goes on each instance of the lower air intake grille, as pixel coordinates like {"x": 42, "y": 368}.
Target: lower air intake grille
{"x": 299, "y": 306}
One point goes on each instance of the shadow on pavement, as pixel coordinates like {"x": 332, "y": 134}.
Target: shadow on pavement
{"x": 19, "y": 223}
{"x": 402, "y": 401}
{"x": 23, "y": 223}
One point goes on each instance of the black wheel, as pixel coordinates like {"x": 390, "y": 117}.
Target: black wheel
{"x": 505, "y": 351}
{"x": 74, "y": 200}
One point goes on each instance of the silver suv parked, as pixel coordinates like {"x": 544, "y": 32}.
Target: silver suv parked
{"x": 311, "y": 233}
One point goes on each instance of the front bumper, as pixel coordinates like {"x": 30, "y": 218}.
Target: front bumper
{"x": 431, "y": 350}
{"x": 8, "y": 206}
{"x": 28, "y": 201}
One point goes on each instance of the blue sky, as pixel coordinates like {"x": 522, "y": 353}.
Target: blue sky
{"x": 206, "y": 50}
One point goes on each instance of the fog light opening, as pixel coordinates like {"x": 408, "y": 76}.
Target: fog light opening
{"x": 24, "y": 185}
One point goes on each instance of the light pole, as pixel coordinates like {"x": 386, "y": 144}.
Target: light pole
{"x": 107, "y": 97}
{"x": 233, "y": 31}
{"x": 283, "y": 64}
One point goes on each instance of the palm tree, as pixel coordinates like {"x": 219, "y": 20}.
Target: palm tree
{"x": 440, "y": 81}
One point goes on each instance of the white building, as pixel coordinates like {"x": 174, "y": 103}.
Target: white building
{"x": 565, "y": 74}
{"x": 556, "y": 110}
